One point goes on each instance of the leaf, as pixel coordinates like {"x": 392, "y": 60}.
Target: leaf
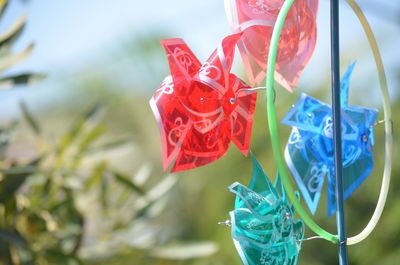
{"x": 103, "y": 193}
{"x": 124, "y": 180}
{"x": 10, "y": 184}
{"x": 155, "y": 193}
{"x": 20, "y": 79}
{"x": 38, "y": 222}
{"x": 185, "y": 251}
{"x": 91, "y": 136}
{"x": 13, "y": 179}
{"x": 5, "y": 135}
{"x": 47, "y": 187}
{"x": 12, "y": 34}
{"x": 56, "y": 256}
{"x": 13, "y": 237}
{"x": 97, "y": 175}
{"x": 33, "y": 123}
{"x": 78, "y": 127}
{"x": 93, "y": 111}
{"x": 16, "y": 58}
{"x": 143, "y": 174}
{"x": 10, "y": 206}
{"x": 3, "y": 7}
{"x": 19, "y": 170}
{"x": 109, "y": 146}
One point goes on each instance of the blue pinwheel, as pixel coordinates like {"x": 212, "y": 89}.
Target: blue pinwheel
{"x": 264, "y": 229}
{"x": 309, "y": 152}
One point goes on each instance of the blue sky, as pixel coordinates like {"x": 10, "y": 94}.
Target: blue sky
{"x": 69, "y": 34}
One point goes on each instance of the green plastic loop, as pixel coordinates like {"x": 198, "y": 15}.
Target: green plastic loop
{"x": 272, "y": 124}
{"x": 273, "y": 129}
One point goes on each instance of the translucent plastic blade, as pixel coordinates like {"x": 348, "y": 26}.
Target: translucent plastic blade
{"x": 256, "y": 19}
{"x": 307, "y": 170}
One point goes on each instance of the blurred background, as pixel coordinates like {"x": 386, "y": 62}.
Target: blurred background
{"x": 81, "y": 172}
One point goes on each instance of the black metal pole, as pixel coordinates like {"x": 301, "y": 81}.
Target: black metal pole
{"x": 337, "y": 135}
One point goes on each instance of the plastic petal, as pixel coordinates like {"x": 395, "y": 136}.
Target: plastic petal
{"x": 172, "y": 120}
{"x": 307, "y": 171}
{"x": 182, "y": 62}
{"x": 344, "y": 86}
{"x": 310, "y": 115}
{"x": 199, "y": 148}
{"x": 215, "y": 72}
{"x": 256, "y": 19}
{"x": 242, "y": 120}
{"x": 358, "y": 159}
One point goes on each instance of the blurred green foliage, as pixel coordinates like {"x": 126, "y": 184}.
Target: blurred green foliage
{"x": 8, "y": 58}
{"x": 84, "y": 185}
{"x": 45, "y": 202}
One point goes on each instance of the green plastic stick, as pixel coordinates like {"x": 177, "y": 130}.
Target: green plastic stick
{"x": 272, "y": 124}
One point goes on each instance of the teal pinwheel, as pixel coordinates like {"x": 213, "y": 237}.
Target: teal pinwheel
{"x": 264, "y": 229}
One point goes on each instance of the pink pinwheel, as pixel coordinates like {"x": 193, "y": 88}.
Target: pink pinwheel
{"x": 256, "y": 19}
{"x": 201, "y": 108}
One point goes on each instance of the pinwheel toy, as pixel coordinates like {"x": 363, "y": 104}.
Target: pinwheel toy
{"x": 201, "y": 108}
{"x": 256, "y": 18}
{"x": 264, "y": 229}
{"x": 309, "y": 152}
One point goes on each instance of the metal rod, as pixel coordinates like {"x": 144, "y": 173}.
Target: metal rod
{"x": 337, "y": 135}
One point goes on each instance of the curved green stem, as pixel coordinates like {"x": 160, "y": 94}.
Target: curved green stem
{"x": 272, "y": 124}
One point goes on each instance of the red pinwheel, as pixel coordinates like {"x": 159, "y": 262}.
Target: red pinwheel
{"x": 201, "y": 108}
{"x": 256, "y": 18}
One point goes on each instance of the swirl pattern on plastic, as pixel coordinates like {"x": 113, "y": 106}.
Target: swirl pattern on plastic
{"x": 264, "y": 229}
{"x": 256, "y": 18}
{"x": 309, "y": 152}
{"x": 198, "y": 107}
